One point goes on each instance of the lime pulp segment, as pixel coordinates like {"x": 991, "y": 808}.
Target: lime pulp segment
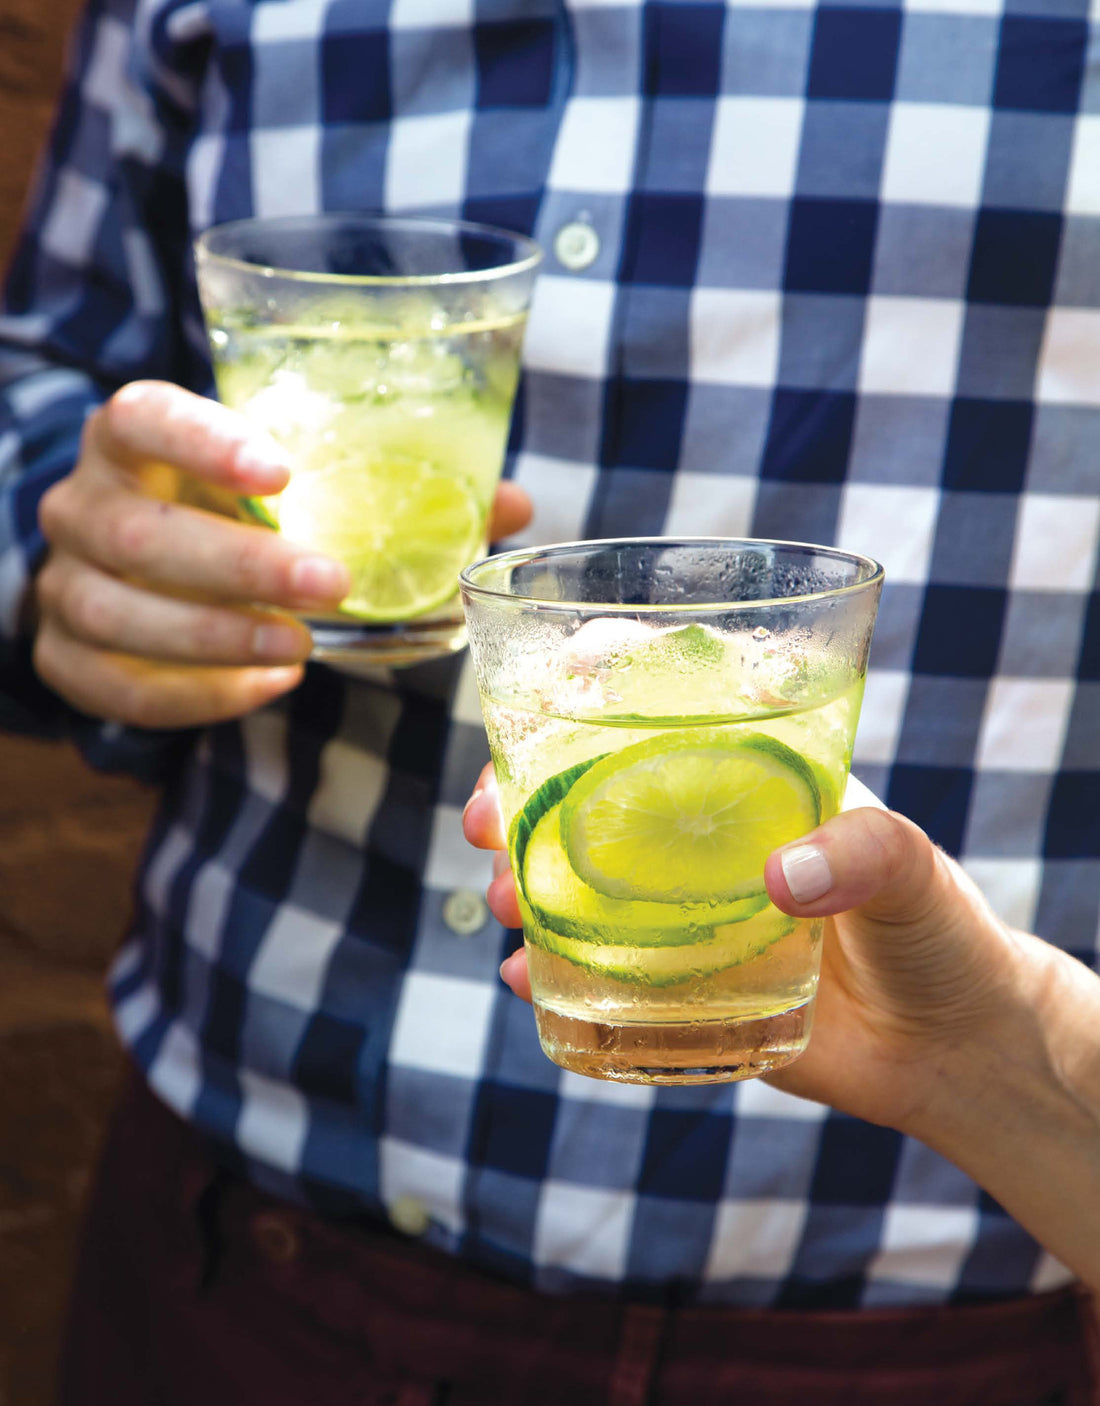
{"x": 569, "y": 907}
{"x": 651, "y": 941}
{"x": 404, "y": 530}
{"x": 687, "y": 817}
{"x": 396, "y": 426}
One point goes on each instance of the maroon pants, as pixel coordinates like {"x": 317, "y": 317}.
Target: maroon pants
{"x": 195, "y": 1290}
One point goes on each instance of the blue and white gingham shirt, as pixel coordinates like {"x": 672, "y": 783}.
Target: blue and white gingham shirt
{"x": 837, "y": 279}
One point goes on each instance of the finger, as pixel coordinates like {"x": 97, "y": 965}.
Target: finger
{"x": 867, "y": 859}
{"x": 513, "y": 972}
{"x": 511, "y": 510}
{"x": 503, "y": 904}
{"x": 100, "y": 609}
{"x": 150, "y": 422}
{"x": 482, "y": 820}
{"x": 136, "y": 693}
{"x": 183, "y": 550}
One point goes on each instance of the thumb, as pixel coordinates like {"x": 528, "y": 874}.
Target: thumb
{"x": 916, "y": 933}
{"x": 879, "y": 868}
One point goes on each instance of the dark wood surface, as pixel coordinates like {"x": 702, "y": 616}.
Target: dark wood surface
{"x": 68, "y": 844}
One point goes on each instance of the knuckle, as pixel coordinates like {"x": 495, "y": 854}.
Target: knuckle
{"x": 51, "y": 511}
{"x": 212, "y": 636}
{"x": 137, "y": 703}
{"x": 115, "y": 417}
{"x": 88, "y": 610}
{"x": 892, "y": 838}
{"x": 131, "y": 399}
{"x": 44, "y": 656}
{"x": 48, "y": 587}
{"x": 255, "y": 565}
{"x": 125, "y": 534}
{"x": 125, "y": 417}
{"x": 60, "y": 512}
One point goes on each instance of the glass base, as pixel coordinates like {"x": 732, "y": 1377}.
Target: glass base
{"x": 695, "y": 1052}
{"x": 355, "y": 645}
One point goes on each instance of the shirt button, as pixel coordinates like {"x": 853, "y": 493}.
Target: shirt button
{"x": 408, "y": 1215}
{"x": 576, "y": 245}
{"x": 275, "y": 1237}
{"x": 465, "y": 912}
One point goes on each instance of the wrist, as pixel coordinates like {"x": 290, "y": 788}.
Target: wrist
{"x": 973, "y": 1084}
{"x": 1018, "y": 1052}
{"x": 1068, "y": 1007}
{"x": 1017, "y": 1105}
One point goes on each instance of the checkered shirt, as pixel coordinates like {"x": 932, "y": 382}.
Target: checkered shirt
{"x": 837, "y": 279}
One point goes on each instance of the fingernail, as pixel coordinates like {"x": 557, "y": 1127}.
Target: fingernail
{"x": 318, "y": 578}
{"x": 264, "y": 465}
{"x": 806, "y": 870}
{"x": 274, "y": 641}
{"x": 279, "y": 680}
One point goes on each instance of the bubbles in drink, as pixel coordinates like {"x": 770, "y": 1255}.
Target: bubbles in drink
{"x": 396, "y": 434}
{"x": 634, "y": 975}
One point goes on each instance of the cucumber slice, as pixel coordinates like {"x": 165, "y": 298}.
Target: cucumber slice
{"x": 730, "y": 945}
{"x": 563, "y": 902}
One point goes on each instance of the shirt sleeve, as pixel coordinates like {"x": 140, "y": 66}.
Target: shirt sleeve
{"x": 100, "y": 292}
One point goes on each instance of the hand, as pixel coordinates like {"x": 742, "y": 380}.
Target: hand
{"x": 160, "y": 614}
{"x": 932, "y": 1016}
{"x": 915, "y": 963}
{"x": 916, "y": 967}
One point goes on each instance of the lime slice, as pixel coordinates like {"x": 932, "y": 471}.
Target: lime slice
{"x": 687, "y": 817}
{"x": 403, "y": 528}
{"x": 727, "y": 946}
{"x": 562, "y": 902}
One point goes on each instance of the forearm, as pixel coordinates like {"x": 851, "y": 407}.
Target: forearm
{"x": 1019, "y": 1111}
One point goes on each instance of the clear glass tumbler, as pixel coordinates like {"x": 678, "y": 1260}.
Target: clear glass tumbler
{"x": 662, "y": 714}
{"x": 383, "y": 354}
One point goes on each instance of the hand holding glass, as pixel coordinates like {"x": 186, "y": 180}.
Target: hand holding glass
{"x": 662, "y": 715}
{"x": 383, "y": 355}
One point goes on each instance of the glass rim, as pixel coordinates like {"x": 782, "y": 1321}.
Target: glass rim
{"x": 530, "y": 259}
{"x": 521, "y": 555}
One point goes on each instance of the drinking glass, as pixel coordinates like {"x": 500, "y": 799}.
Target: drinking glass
{"x": 383, "y": 354}
{"x": 662, "y": 714}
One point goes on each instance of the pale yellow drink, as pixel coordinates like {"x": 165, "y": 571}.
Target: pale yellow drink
{"x": 647, "y": 767}
{"x": 383, "y": 354}
{"x": 396, "y": 435}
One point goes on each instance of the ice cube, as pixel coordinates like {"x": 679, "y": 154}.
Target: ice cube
{"x": 604, "y": 641}
{"x": 287, "y": 406}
